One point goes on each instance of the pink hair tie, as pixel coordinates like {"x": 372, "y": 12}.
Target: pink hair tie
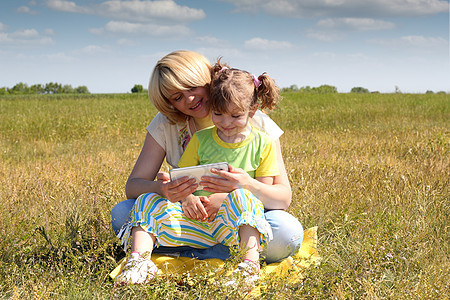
{"x": 256, "y": 81}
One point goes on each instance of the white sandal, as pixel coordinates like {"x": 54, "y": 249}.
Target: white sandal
{"x": 138, "y": 269}
{"x": 248, "y": 271}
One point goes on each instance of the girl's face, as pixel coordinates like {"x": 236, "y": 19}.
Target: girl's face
{"x": 193, "y": 102}
{"x": 232, "y": 125}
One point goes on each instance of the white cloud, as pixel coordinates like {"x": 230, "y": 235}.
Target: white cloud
{"x": 415, "y": 7}
{"x": 127, "y": 42}
{"x": 422, "y": 41}
{"x": 4, "y": 38}
{"x": 97, "y": 31}
{"x": 133, "y": 11}
{"x": 358, "y": 57}
{"x": 24, "y": 37}
{"x": 325, "y": 55}
{"x": 3, "y": 27}
{"x": 325, "y": 36}
{"x": 58, "y": 57}
{"x": 49, "y": 31}
{"x": 266, "y": 45}
{"x": 416, "y": 41}
{"x": 26, "y": 10}
{"x": 91, "y": 49}
{"x": 355, "y": 24}
{"x": 119, "y": 27}
{"x": 211, "y": 41}
{"x": 25, "y": 34}
{"x": 146, "y": 11}
{"x": 67, "y": 6}
{"x": 343, "y": 8}
{"x": 335, "y": 29}
{"x": 75, "y": 54}
{"x": 149, "y": 18}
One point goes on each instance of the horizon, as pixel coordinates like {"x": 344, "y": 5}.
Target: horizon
{"x": 111, "y": 45}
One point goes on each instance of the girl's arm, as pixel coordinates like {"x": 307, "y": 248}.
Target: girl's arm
{"x": 193, "y": 207}
{"x": 274, "y": 196}
{"x": 279, "y": 194}
{"x": 213, "y": 204}
{"x": 142, "y": 177}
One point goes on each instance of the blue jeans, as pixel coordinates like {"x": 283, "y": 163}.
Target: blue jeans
{"x": 287, "y": 236}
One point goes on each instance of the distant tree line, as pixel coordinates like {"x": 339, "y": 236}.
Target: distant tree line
{"x": 329, "y": 89}
{"x": 138, "y": 88}
{"x": 439, "y": 93}
{"x": 359, "y": 90}
{"x": 323, "y": 89}
{"x": 48, "y": 88}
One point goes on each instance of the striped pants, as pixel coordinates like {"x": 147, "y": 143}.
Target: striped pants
{"x": 167, "y": 222}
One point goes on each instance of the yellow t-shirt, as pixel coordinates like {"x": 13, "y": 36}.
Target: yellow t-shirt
{"x": 256, "y": 154}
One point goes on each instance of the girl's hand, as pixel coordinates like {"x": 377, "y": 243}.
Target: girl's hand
{"x": 193, "y": 207}
{"x": 233, "y": 179}
{"x": 178, "y": 189}
{"x": 213, "y": 205}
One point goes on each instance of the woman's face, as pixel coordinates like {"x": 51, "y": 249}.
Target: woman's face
{"x": 193, "y": 102}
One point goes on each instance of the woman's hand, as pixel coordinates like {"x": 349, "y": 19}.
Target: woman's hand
{"x": 193, "y": 207}
{"x": 232, "y": 179}
{"x": 176, "y": 190}
{"x": 213, "y": 205}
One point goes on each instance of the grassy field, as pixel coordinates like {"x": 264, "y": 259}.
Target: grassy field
{"x": 371, "y": 171}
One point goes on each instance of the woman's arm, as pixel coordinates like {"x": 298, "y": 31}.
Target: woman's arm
{"x": 141, "y": 179}
{"x": 148, "y": 164}
{"x": 275, "y": 196}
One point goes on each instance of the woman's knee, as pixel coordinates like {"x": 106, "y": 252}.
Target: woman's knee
{"x": 120, "y": 214}
{"x": 287, "y": 235}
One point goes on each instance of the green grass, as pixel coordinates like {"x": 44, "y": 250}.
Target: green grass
{"x": 372, "y": 171}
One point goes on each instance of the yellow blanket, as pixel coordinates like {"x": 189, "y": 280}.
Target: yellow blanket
{"x": 289, "y": 268}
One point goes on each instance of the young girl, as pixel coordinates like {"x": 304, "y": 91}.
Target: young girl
{"x": 238, "y": 218}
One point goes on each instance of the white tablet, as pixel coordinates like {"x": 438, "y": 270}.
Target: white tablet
{"x": 198, "y": 171}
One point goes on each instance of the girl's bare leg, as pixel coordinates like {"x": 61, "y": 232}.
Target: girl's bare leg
{"x": 249, "y": 241}
{"x": 249, "y": 268}
{"x": 139, "y": 269}
{"x": 142, "y": 241}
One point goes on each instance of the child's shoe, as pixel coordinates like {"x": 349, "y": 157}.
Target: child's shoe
{"x": 247, "y": 272}
{"x": 137, "y": 270}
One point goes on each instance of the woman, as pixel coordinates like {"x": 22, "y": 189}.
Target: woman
{"x": 179, "y": 89}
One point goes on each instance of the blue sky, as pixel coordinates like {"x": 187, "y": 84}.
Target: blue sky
{"x": 110, "y": 45}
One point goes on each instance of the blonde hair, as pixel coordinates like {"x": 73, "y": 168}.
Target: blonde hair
{"x": 238, "y": 87}
{"x": 177, "y": 71}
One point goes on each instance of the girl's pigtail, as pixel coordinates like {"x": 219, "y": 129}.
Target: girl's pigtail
{"x": 218, "y": 68}
{"x": 267, "y": 91}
